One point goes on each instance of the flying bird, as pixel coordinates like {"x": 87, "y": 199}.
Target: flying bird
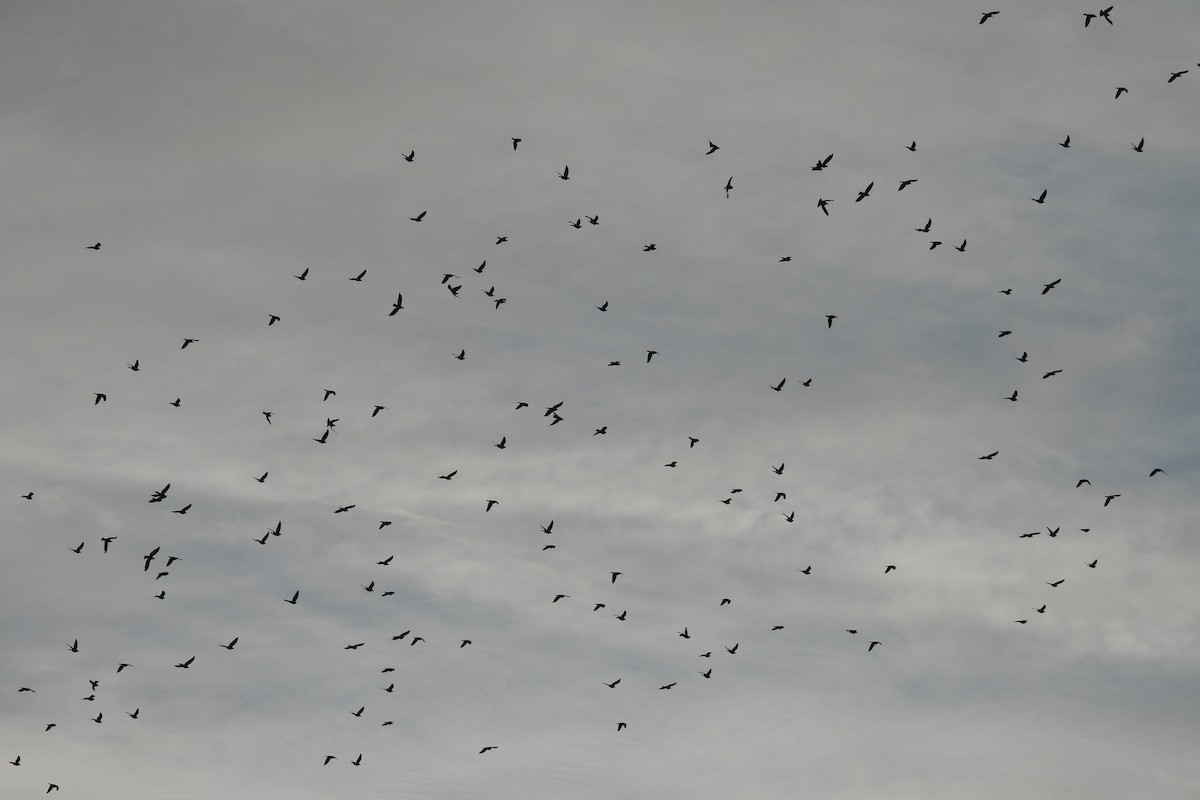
{"x": 1013, "y": 396}
{"x": 829, "y": 318}
{"x": 273, "y": 319}
{"x": 823, "y": 163}
{"x": 1157, "y": 470}
{"x": 1081, "y": 482}
{"x": 1024, "y": 357}
{"x": 989, "y": 456}
{"x": 907, "y": 182}
{"x": 301, "y": 277}
{"x": 1120, "y": 90}
{"x": 912, "y": 147}
{"x": 987, "y": 15}
{"x": 295, "y": 597}
{"x": 229, "y": 646}
{"x": 1051, "y": 373}
{"x": 566, "y": 173}
{"x": 186, "y": 664}
{"x": 1108, "y": 498}
{"x": 1175, "y": 75}
{"x": 515, "y": 142}
{"x": 612, "y": 685}
{"x": 100, "y": 397}
{"x": 728, "y": 187}
{"x": 410, "y": 156}
{"x": 419, "y": 217}
{"x": 95, "y": 246}
{"x": 1040, "y": 198}
{"x": 712, "y": 148}
{"x": 865, "y": 192}
{"x": 396, "y": 306}
{"x": 1065, "y": 142}
{"x": 186, "y": 342}
{"x": 928, "y": 225}
{"x": 871, "y": 646}
{"x": 1105, "y": 12}
{"x": 148, "y": 558}
{"x": 962, "y": 248}
{"x": 1087, "y": 19}
{"x": 1137, "y": 148}
{"x": 822, "y": 204}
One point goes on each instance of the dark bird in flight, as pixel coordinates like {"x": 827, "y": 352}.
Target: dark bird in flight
{"x": 1065, "y": 142}
{"x": 1175, "y": 75}
{"x": 74, "y": 646}
{"x": 822, "y": 204}
{"x": 987, "y": 15}
{"x": 501, "y": 239}
{"x": 186, "y": 664}
{"x": 95, "y": 246}
{"x": 516, "y": 142}
{"x": 396, "y": 306}
{"x": 603, "y": 306}
{"x": 183, "y": 510}
{"x": 1005, "y": 291}
{"x": 871, "y": 646}
{"x": 1023, "y": 357}
{"x": 295, "y": 597}
{"x": 725, "y": 601}
{"x": 785, "y": 258}
{"x": 106, "y": 541}
{"x": 1081, "y": 482}
{"x": 148, "y": 558}
{"x": 684, "y": 633}
{"x": 612, "y": 685}
{"x": 1120, "y": 90}
{"x": 500, "y": 445}
{"x": 16, "y": 762}
{"x": 134, "y": 714}
{"x": 262, "y": 479}
{"x": 907, "y": 182}
{"x": 1056, "y": 583}
{"x": 614, "y": 576}
{"x": 464, "y": 643}
{"x": 489, "y": 747}
{"x": 779, "y": 470}
{"x": 1051, "y": 373}
{"x": 1003, "y": 334}
{"x": 448, "y": 475}
{"x": 268, "y": 414}
{"x": 52, "y": 788}
{"x": 1041, "y": 610}
{"x": 962, "y": 248}
{"x": 672, "y": 464}
{"x": 1087, "y": 19}
{"x": 370, "y": 587}
{"x": 1052, "y": 533}
{"x": 176, "y": 402}
{"x": 989, "y": 456}
{"x": 1108, "y": 498}
{"x": 1094, "y": 563}
{"x": 160, "y": 495}
{"x": 566, "y": 173}
{"x": 1105, "y": 12}
{"x": 419, "y": 217}
{"x": 1157, "y": 470}
{"x": 100, "y": 397}
{"x": 1013, "y": 396}
{"x": 865, "y": 192}
{"x": 912, "y": 147}
{"x": 344, "y": 509}
{"x": 1137, "y": 148}
{"x": 593, "y": 220}
{"x": 303, "y": 276}
{"x": 490, "y": 503}
{"x": 888, "y": 568}
{"x": 121, "y": 667}
{"x": 650, "y": 354}
{"x": 360, "y": 711}
{"x": 77, "y": 549}
{"x": 933, "y": 245}
{"x": 779, "y": 386}
{"x": 621, "y": 616}
{"x": 780, "y": 496}
{"x": 273, "y": 319}
{"x": 668, "y": 686}
{"x": 328, "y": 759}
{"x": 354, "y": 646}
{"x": 776, "y": 627}
{"x": 732, "y": 650}
{"x": 829, "y": 318}
{"x": 558, "y": 597}
{"x": 928, "y": 225}
{"x": 1040, "y": 198}
{"x": 649, "y": 247}
{"x": 385, "y": 562}
{"x": 461, "y": 355}
{"x": 578, "y": 223}
{"x": 499, "y": 301}
{"x": 324, "y": 437}
{"x": 692, "y": 442}
{"x": 134, "y": 365}
{"x": 712, "y": 148}
{"x": 358, "y": 761}
{"x": 229, "y": 646}
{"x": 549, "y": 527}
{"x": 186, "y": 342}
{"x": 822, "y": 163}
{"x": 264, "y": 538}
{"x": 410, "y": 156}
{"x": 1021, "y": 621}
{"x": 728, "y": 187}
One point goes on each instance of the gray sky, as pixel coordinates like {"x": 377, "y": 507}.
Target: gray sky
{"x": 218, "y": 149}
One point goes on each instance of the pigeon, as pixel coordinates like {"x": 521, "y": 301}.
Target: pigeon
{"x": 987, "y": 15}
{"x": 419, "y": 217}
{"x": 712, "y": 148}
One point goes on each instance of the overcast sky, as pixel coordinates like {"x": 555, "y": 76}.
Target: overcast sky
{"x": 841, "y": 381}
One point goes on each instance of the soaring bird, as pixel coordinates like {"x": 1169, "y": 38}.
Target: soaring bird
{"x": 1137, "y": 148}
{"x": 987, "y": 15}
{"x": 1175, "y": 75}
{"x": 74, "y": 646}
{"x": 888, "y": 568}
{"x": 865, "y": 192}
{"x": 303, "y": 276}
{"x": 593, "y": 220}
{"x": 578, "y": 223}
{"x": 358, "y": 761}
{"x": 648, "y": 248}
{"x": 1094, "y": 563}
{"x": 1157, "y": 470}
{"x": 106, "y": 541}
{"x": 78, "y": 549}
{"x": 186, "y": 342}
{"x": 928, "y": 225}
{"x": 229, "y": 646}
{"x": 101, "y": 397}
{"x": 515, "y": 142}
{"x": 668, "y": 686}
{"x": 822, "y": 204}
{"x": 650, "y": 354}
{"x": 1040, "y": 198}
{"x": 548, "y": 527}
{"x": 603, "y": 306}
{"x": 614, "y": 576}
{"x": 829, "y": 318}
{"x": 612, "y": 685}
{"x": 989, "y": 456}
{"x": 176, "y": 402}
{"x": 396, "y": 306}
{"x": 1081, "y": 482}
{"x": 273, "y": 319}
{"x": 186, "y": 664}
{"x": 489, "y": 747}
{"x": 558, "y": 597}
{"x": 566, "y": 173}
{"x": 779, "y": 386}
{"x": 871, "y": 646}
{"x": 328, "y": 759}
{"x": 1065, "y": 142}
{"x": 344, "y": 509}
{"x": 779, "y": 470}
{"x": 962, "y": 248}
{"x": 912, "y": 147}
{"x": 823, "y": 163}
{"x": 933, "y": 245}
{"x": 503, "y": 239}
{"x": 1120, "y": 90}
{"x": 419, "y": 217}
{"x": 500, "y": 445}
{"x": 1024, "y": 357}
{"x": 134, "y": 714}
{"x": 1108, "y": 498}
{"x": 323, "y": 438}
{"x": 906, "y": 182}
{"x": 1087, "y": 19}
{"x": 461, "y": 355}
{"x": 490, "y": 503}
{"x": 728, "y": 187}
{"x": 52, "y": 788}
{"x": 1056, "y": 583}
{"x": 1003, "y": 334}
{"x": 712, "y": 148}
{"x": 148, "y": 558}
{"x": 1013, "y": 396}
{"x": 1051, "y": 373}
{"x": 183, "y": 510}
{"x": 295, "y": 597}
{"x": 133, "y": 366}
{"x": 95, "y": 246}
{"x": 410, "y": 156}
{"x": 1104, "y": 14}
{"x": 732, "y": 650}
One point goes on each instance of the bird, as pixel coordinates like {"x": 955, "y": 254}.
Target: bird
{"x": 933, "y": 245}
{"x": 593, "y": 220}
{"x": 823, "y": 204}
{"x": 712, "y": 148}
{"x": 360, "y": 711}
{"x": 779, "y": 386}
{"x": 1175, "y": 75}
{"x": 1005, "y": 291}
{"x": 183, "y": 510}
{"x": 461, "y": 355}
{"x": 95, "y": 246}
{"x": 294, "y": 598}
{"x": 1013, "y": 396}
{"x": 489, "y": 747}
{"x": 650, "y": 354}
{"x": 987, "y": 15}
{"x": 779, "y": 470}
{"x": 1108, "y": 498}
{"x": 370, "y": 587}
{"x": 264, "y": 538}
{"x": 1065, "y": 142}
{"x": 448, "y": 475}
{"x": 186, "y": 342}
{"x": 344, "y": 509}
{"x": 273, "y": 318}
{"x": 186, "y": 664}
{"x": 74, "y": 646}
{"x": 548, "y": 527}
{"x": 928, "y": 225}
{"x": 122, "y": 666}
{"x": 668, "y": 686}
{"x": 732, "y": 650}
{"x": 614, "y": 576}
{"x": 148, "y": 558}
{"x": 358, "y": 761}
{"x": 1051, "y": 373}
{"x": 774, "y": 628}
{"x": 419, "y": 217}
{"x": 500, "y": 445}
{"x": 871, "y": 646}
{"x": 410, "y": 156}
{"x": 649, "y": 247}
{"x": 323, "y": 438}
{"x": 1052, "y": 532}
{"x": 263, "y": 478}
{"x": 230, "y": 645}
{"x": 852, "y": 630}
{"x": 603, "y": 306}
{"x": 612, "y": 685}
{"x": 888, "y": 568}
{"x": 490, "y": 503}
{"x": 134, "y": 366}
{"x": 354, "y": 646}
{"x": 566, "y": 173}
{"x": 1021, "y": 621}
{"x": 328, "y": 759}
{"x": 692, "y": 442}
{"x": 785, "y": 258}
{"x": 1056, "y": 583}
{"x": 176, "y": 402}
{"x": 1105, "y": 12}
{"x": 501, "y": 239}
{"x": 268, "y": 415}
{"x": 1040, "y": 198}
{"x": 822, "y": 163}
{"x": 515, "y": 142}
{"x": 106, "y": 541}
{"x": 78, "y": 549}
{"x": 301, "y": 277}
{"x": 906, "y": 182}
{"x": 1081, "y": 482}
{"x": 578, "y": 223}
{"x": 865, "y": 192}
{"x": 558, "y": 597}
{"x": 396, "y": 306}
{"x": 912, "y": 147}
{"x": 1094, "y": 563}
{"x": 101, "y": 397}
{"x": 989, "y": 456}
{"x": 1120, "y": 90}
{"x": 829, "y": 318}
{"x": 1137, "y": 148}
{"x": 1156, "y": 471}
{"x": 672, "y": 464}
{"x": 962, "y": 248}
{"x": 1003, "y": 334}
{"x": 1042, "y": 609}
{"x": 464, "y": 643}
{"x": 621, "y": 616}
{"x": 1087, "y": 19}
{"x": 684, "y": 633}
{"x": 1023, "y": 357}
{"x": 728, "y": 187}
{"x": 52, "y": 788}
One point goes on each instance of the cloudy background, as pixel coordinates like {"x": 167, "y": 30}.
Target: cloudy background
{"x": 218, "y": 149}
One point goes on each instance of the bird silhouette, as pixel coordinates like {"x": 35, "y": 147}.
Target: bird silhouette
{"x": 1065, "y": 142}
{"x": 779, "y": 386}
{"x": 712, "y": 148}
{"x": 419, "y": 217}
{"x": 1137, "y": 148}
{"x": 732, "y": 650}
{"x": 1056, "y": 583}
{"x": 566, "y": 173}
{"x": 728, "y": 187}
{"x": 515, "y": 142}
{"x": 1040, "y": 198}
{"x": 987, "y": 15}
{"x": 295, "y": 597}
{"x": 1176, "y": 75}
{"x": 1156, "y": 471}
{"x": 613, "y": 685}
{"x": 822, "y": 163}
{"x": 823, "y": 204}
{"x": 906, "y": 183}
{"x": 412, "y": 154}
{"x": 303, "y": 276}
{"x": 1108, "y": 498}
{"x": 231, "y": 644}
{"x": 95, "y": 246}
{"x": 1120, "y": 91}
{"x": 871, "y": 646}
{"x": 186, "y": 664}
{"x": 396, "y": 306}
{"x": 865, "y": 192}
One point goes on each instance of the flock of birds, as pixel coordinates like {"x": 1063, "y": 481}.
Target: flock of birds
{"x": 162, "y": 563}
